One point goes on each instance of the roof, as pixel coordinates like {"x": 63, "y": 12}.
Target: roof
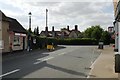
{"x": 76, "y": 31}
{"x": 14, "y": 25}
{"x": 3, "y": 16}
{"x": 57, "y": 33}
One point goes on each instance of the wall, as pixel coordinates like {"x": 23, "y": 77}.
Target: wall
{"x": 5, "y": 36}
{"x": 115, "y": 2}
{"x": 19, "y": 44}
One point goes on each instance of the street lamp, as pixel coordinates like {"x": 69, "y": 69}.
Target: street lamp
{"x": 46, "y": 17}
{"x": 29, "y": 20}
{"x": 29, "y": 31}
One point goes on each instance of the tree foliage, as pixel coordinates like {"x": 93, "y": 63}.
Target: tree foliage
{"x": 106, "y": 37}
{"x": 93, "y": 32}
{"x": 36, "y": 31}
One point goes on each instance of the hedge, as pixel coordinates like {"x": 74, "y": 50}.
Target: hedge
{"x": 42, "y": 42}
{"x": 78, "y": 41}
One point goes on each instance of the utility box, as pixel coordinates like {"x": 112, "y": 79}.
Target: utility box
{"x": 100, "y": 45}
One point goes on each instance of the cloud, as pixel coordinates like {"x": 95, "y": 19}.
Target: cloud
{"x": 60, "y": 14}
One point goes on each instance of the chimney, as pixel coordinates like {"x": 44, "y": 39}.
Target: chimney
{"x": 68, "y": 28}
{"x": 46, "y": 28}
{"x": 53, "y": 28}
{"x": 76, "y": 27}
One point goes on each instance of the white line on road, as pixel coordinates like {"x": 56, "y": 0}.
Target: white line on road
{"x": 47, "y": 58}
{"x": 10, "y": 72}
{"x": 41, "y": 60}
{"x": 61, "y": 53}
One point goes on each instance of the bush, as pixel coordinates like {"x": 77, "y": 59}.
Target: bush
{"x": 78, "y": 41}
{"x": 42, "y": 42}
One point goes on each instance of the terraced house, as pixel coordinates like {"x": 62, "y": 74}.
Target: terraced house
{"x": 63, "y": 33}
{"x": 12, "y": 34}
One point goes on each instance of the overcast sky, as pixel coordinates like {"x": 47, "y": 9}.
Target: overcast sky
{"x": 60, "y": 13}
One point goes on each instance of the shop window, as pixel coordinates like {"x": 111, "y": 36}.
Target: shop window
{"x": 16, "y": 41}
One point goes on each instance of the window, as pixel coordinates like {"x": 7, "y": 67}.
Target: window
{"x": 16, "y": 41}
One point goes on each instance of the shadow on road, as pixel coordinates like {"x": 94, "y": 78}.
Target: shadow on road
{"x": 20, "y": 54}
{"x": 25, "y": 71}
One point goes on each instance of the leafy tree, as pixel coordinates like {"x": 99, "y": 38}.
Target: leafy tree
{"x": 81, "y": 35}
{"x": 106, "y": 37}
{"x": 36, "y": 31}
{"x": 97, "y": 33}
{"x": 93, "y": 32}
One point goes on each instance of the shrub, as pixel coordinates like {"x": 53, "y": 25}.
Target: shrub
{"x": 78, "y": 41}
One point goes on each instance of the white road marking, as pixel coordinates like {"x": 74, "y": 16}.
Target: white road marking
{"x": 37, "y": 62}
{"x": 41, "y": 60}
{"x": 47, "y": 58}
{"x": 10, "y": 72}
{"x": 61, "y": 53}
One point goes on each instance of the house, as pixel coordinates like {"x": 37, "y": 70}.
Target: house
{"x": 74, "y": 33}
{"x": 110, "y": 29}
{"x": 54, "y": 34}
{"x": 64, "y": 33}
{"x": 13, "y": 36}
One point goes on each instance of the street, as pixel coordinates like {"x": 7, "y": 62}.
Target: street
{"x": 65, "y": 62}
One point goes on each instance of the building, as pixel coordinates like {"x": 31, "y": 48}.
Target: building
{"x": 117, "y": 36}
{"x": 64, "y": 33}
{"x": 116, "y": 23}
{"x": 13, "y": 36}
{"x": 111, "y": 30}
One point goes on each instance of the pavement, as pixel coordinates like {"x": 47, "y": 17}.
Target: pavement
{"x": 103, "y": 67}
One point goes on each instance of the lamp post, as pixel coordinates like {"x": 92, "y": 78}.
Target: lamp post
{"x": 29, "y": 31}
{"x": 46, "y": 28}
{"x": 46, "y": 17}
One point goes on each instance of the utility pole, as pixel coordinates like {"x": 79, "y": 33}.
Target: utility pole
{"x": 29, "y": 31}
{"x": 46, "y": 17}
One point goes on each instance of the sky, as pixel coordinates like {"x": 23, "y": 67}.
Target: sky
{"x": 61, "y": 13}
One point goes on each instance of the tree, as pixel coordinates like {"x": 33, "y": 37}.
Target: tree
{"x": 94, "y": 32}
{"x": 36, "y": 31}
{"x": 97, "y": 33}
{"x": 106, "y": 37}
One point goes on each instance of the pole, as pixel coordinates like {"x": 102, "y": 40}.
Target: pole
{"x": 29, "y": 37}
{"x": 46, "y": 17}
{"x": 30, "y": 22}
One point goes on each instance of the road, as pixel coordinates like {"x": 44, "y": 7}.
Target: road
{"x": 65, "y": 62}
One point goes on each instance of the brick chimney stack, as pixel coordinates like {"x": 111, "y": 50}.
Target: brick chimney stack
{"x": 53, "y": 28}
{"x": 68, "y": 28}
{"x": 46, "y": 28}
{"x": 76, "y": 27}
